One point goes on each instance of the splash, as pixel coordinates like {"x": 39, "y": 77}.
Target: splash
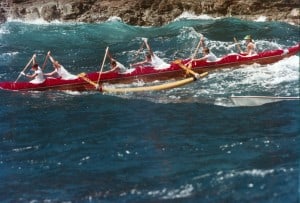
{"x": 114, "y": 19}
{"x": 261, "y": 19}
{"x": 38, "y": 21}
{"x": 253, "y": 173}
{"x": 4, "y": 30}
{"x": 193, "y": 16}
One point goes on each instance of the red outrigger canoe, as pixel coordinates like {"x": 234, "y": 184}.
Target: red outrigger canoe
{"x": 147, "y": 74}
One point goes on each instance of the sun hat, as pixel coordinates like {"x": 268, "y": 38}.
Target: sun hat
{"x": 247, "y": 37}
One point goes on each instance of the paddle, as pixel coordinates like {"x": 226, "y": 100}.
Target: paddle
{"x": 196, "y": 75}
{"x": 238, "y": 44}
{"x": 200, "y": 43}
{"x": 46, "y": 59}
{"x": 198, "y": 47}
{"x": 139, "y": 50}
{"x": 22, "y": 72}
{"x": 82, "y": 75}
{"x": 106, "y": 51}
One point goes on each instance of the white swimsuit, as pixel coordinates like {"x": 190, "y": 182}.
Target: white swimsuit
{"x": 64, "y": 74}
{"x": 158, "y": 62}
{"x": 39, "y": 78}
{"x": 211, "y": 57}
{"x": 121, "y": 67}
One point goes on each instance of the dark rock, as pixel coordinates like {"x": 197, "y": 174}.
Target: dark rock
{"x": 50, "y": 12}
{"x": 148, "y": 12}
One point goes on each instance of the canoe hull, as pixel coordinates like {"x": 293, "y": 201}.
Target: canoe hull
{"x": 50, "y": 83}
{"x": 148, "y": 74}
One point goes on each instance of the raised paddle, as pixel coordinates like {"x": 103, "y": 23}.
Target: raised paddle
{"x": 238, "y": 44}
{"x": 200, "y": 43}
{"x": 101, "y": 69}
{"x": 22, "y": 72}
{"x": 139, "y": 50}
{"x": 46, "y": 59}
{"x": 198, "y": 47}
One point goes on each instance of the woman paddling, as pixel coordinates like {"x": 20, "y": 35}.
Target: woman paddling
{"x": 115, "y": 65}
{"x": 59, "y": 70}
{"x": 151, "y": 59}
{"x": 207, "y": 55}
{"x": 38, "y": 76}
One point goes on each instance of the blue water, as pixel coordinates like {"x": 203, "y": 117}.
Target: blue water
{"x": 189, "y": 144}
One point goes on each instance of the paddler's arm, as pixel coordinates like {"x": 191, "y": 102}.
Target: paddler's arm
{"x": 110, "y": 56}
{"x": 115, "y": 69}
{"x": 200, "y": 59}
{"x": 50, "y": 57}
{"x": 50, "y": 74}
{"x": 148, "y": 47}
{"x": 31, "y": 76}
{"x": 202, "y": 43}
{"x": 138, "y": 63}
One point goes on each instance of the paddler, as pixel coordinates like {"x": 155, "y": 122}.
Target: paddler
{"x": 207, "y": 55}
{"x": 59, "y": 70}
{"x": 151, "y": 59}
{"x": 251, "y": 48}
{"x": 38, "y": 76}
{"x": 115, "y": 65}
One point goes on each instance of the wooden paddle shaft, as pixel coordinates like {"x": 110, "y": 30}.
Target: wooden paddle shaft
{"x": 24, "y": 68}
{"x": 82, "y": 76}
{"x": 237, "y": 43}
{"x": 196, "y": 75}
{"x": 101, "y": 69}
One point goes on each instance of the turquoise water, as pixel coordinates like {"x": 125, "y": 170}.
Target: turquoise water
{"x": 189, "y": 144}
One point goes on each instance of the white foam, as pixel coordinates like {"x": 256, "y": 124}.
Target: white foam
{"x": 277, "y": 79}
{"x": 35, "y": 21}
{"x": 181, "y": 192}
{"x": 38, "y": 21}
{"x": 25, "y": 148}
{"x": 261, "y": 19}
{"x": 77, "y": 93}
{"x": 4, "y": 30}
{"x": 253, "y": 173}
{"x": 221, "y": 176}
{"x": 114, "y": 19}
{"x": 8, "y": 54}
{"x": 285, "y": 70}
{"x": 193, "y": 16}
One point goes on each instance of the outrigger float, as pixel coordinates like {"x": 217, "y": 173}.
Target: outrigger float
{"x": 177, "y": 69}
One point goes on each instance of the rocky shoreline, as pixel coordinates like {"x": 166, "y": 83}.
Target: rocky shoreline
{"x": 147, "y": 12}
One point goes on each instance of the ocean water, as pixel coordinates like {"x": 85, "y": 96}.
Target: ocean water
{"x": 189, "y": 144}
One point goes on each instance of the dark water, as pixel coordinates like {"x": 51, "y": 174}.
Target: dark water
{"x": 189, "y": 144}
